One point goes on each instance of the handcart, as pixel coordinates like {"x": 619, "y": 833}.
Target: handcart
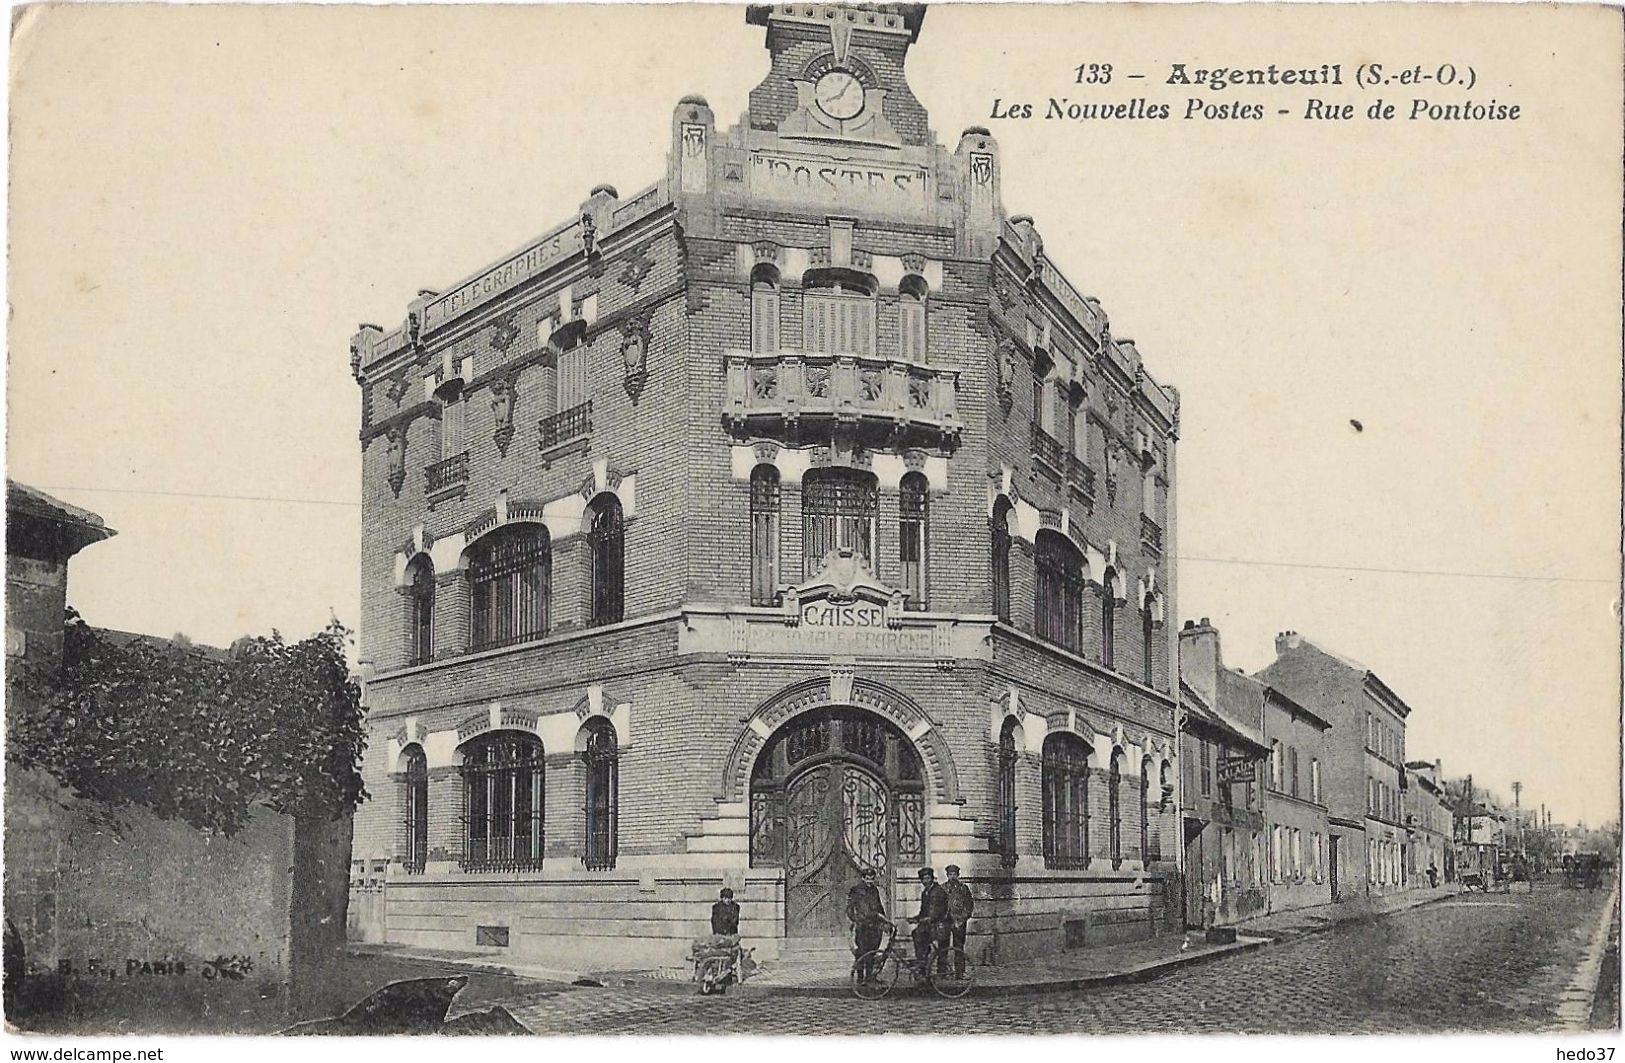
{"x": 720, "y": 961}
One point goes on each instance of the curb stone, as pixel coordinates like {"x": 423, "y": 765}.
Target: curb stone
{"x": 1579, "y": 999}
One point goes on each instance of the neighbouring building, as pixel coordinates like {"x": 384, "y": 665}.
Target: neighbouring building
{"x": 789, "y": 517}
{"x": 1225, "y": 854}
{"x": 1428, "y": 823}
{"x": 1364, "y": 776}
{"x": 1296, "y": 857}
{"x": 119, "y": 902}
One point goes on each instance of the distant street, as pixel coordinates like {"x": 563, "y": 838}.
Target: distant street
{"x": 1495, "y": 963}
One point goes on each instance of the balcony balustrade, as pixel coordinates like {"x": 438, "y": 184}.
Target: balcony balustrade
{"x": 792, "y": 386}
{"x": 566, "y": 425}
{"x": 1047, "y": 449}
{"x": 1150, "y": 536}
{"x": 448, "y": 475}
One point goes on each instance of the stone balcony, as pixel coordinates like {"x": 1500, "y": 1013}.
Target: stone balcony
{"x": 792, "y": 390}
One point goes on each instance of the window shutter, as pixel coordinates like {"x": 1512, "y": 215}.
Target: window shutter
{"x": 764, "y": 325}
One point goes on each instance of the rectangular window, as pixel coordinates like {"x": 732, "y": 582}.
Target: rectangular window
{"x": 1080, "y": 436}
{"x": 911, "y": 326}
{"x": 1314, "y": 780}
{"x": 453, "y": 437}
{"x": 764, "y": 317}
{"x": 912, "y": 512}
{"x": 836, "y": 321}
{"x": 570, "y": 380}
{"x": 1276, "y": 856}
{"x": 1297, "y": 853}
{"x": 1207, "y": 768}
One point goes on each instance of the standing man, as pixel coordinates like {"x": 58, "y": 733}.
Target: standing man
{"x": 868, "y": 917}
{"x": 960, "y": 906}
{"x": 931, "y": 924}
{"x": 725, "y": 914}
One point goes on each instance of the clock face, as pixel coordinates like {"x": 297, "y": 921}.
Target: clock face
{"x": 839, "y": 95}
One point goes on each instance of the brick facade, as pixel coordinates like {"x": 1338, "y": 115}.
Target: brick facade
{"x": 651, "y": 308}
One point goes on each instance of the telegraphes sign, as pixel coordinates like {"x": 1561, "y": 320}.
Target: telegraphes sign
{"x": 526, "y": 264}
{"x": 1236, "y": 767}
{"x": 786, "y": 175}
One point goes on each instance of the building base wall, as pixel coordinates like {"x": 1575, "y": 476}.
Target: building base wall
{"x": 642, "y": 919}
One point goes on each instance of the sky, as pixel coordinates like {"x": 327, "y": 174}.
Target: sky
{"x": 206, "y": 201}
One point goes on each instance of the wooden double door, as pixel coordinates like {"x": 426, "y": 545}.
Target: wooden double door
{"x": 836, "y": 794}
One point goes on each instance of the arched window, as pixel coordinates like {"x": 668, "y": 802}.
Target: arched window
{"x": 509, "y": 573}
{"x": 606, "y": 540}
{"x": 503, "y": 777}
{"x": 602, "y": 805}
{"x": 1001, "y": 559}
{"x": 415, "y": 808}
{"x": 764, "y": 309}
{"x": 420, "y": 605}
{"x": 1058, "y": 609}
{"x": 913, "y": 516}
{"x": 1066, "y": 801}
{"x": 764, "y": 535}
{"x": 838, "y": 507}
{"x": 1146, "y": 852}
{"x": 911, "y": 318}
{"x": 838, "y": 312}
{"x": 1006, "y": 809}
{"x": 1114, "y": 804}
{"x": 1108, "y": 618}
{"x": 1148, "y": 642}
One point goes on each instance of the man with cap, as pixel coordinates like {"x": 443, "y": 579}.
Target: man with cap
{"x": 960, "y": 906}
{"x": 868, "y": 917}
{"x": 931, "y": 924}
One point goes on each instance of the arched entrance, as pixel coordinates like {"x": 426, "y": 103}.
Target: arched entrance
{"x": 835, "y": 791}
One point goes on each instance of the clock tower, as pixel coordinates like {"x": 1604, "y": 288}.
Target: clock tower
{"x": 837, "y": 74}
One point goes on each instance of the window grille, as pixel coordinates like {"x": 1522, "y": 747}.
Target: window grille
{"x": 1066, "y": 802}
{"x": 764, "y": 312}
{"x": 1001, "y": 560}
{"x": 913, "y": 512}
{"x": 764, "y": 535}
{"x": 838, "y": 320}
{"x": 503, "y": 778}
{"x": 1058, "y": 611}
{"x": 1006, "y": 810}
{"x": 509, "y": 576}
{"x": 602, "y": 807}
{"x": 1114, "y": 806}
{"x": 1146, "y": 852}
{"x": 422, "y": 612}
{"x": 839, "y": 508}
{"x": 606, "y": 540}
{"x": 415, "y": 799}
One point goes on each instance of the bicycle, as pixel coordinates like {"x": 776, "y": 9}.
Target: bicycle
{"x": 884, "y": 964}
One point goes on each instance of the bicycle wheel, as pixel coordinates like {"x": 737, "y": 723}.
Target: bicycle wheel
{"x": 951, "y": 984}
{"x": 881, "y": 969}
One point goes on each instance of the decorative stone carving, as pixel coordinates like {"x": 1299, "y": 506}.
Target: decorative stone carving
{"x": 1005, "y": 370}
{"x": 504, "y": 394}
{"x": 1113, "y": 457}
{"x": 589, "y": 235}
{"x": 637, "y": 268}
{"x": 504, "y": 331}
{"x": 635, "y": 358}
{"x": 396, "y": 389}
{"x": 397, "y": 459}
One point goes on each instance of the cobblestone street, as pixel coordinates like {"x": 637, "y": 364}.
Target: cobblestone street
{"x": 1495, "y": 963}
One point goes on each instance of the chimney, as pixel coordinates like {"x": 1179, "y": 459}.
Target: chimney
{"x": 1287, "y": 640}
{"x": 1199, "y": 658}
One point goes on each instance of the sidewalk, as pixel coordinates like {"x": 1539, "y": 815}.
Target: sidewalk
{"x": 1132, "y": 961}
{"x": 1300, "y": 922}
